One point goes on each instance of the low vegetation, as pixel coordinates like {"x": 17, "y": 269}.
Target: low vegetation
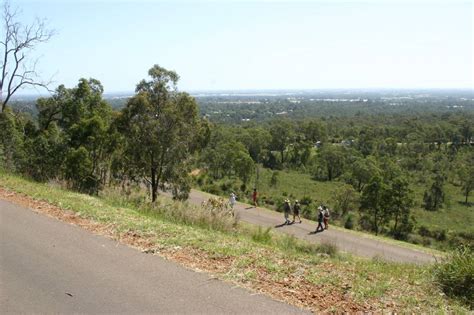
{"x": 455, "y": 275}
{"x": 315, "y": 277}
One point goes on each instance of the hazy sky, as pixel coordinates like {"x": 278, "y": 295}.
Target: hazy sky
{"x": 260, "y": 44}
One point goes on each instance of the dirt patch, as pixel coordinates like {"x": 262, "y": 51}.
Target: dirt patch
{"x": 293, "y": 289}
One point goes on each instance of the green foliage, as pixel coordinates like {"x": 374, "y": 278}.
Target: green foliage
{"x": 361, "y": 170}
{"x": 349, "y": 223}
{"x": 345, "y": 199}
{"x": 261, "y": 235}
{"x": 45, "y": 154}
{"x": 274, "y": 179}
{"x": 373, "y": 203}
{"x": 79, "y": 171}
{"x": 465, "y": 172}
{"x": 329, "y": 163}
{"x": 11, "y": 141}
{"x": 434, "y": 197}
{"x": 161, "y": 130}
{"x": 455, "y": 275}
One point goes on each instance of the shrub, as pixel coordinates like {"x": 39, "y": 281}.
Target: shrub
{"x": 288, "y": 242}
{"x": 328, "y": 249}
{"x": 455, "y": 275}
{"x": 262, "y": 236}
{"x": 274, "y": 179}
{"x": 415, "y": 239}
{"x": 349, "y": 224}
{"x": 424, "y": 231}
{"x": 212, "y": 189}
{"x": 307, "y": 212}
{"x": 440, "y": 235}
{"x": 306, "y": 201}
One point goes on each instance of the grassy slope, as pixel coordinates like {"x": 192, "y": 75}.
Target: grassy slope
{"x": 306, "y": 279}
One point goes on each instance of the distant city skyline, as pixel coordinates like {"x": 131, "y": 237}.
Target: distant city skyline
{"x": 262, "y": 45}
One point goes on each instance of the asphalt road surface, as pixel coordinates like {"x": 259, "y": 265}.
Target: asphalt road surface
{"x": 345, "y": 240}
{"x": 48, "y": 266}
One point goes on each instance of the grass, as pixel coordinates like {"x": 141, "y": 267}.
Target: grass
{"x": 454, "y": 216}
{"x": 288, "y": 269}
{"x": 455, "y": 275}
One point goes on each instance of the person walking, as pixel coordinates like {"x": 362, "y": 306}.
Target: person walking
{"x": 254, "y": 197}
{"x": 286, "y": 210}
{"x": 326, "y": 217}
{"x": 232, "y": 200}
{"x": 320, "y": 220}
{"x": 296, "y": 211}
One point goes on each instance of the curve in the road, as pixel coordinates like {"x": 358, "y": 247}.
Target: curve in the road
{"x": 345, "y": 241}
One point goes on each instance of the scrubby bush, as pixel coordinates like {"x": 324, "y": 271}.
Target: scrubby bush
{"x": 212, "y": 189}
{"x": 262, "y": 236}
{"x": 455, "y": 275}
{"x": 328, "y": 249}
{"x": 349, "y": 224}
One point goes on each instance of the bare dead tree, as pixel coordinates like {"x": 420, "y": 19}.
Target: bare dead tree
{"x": 18, "y": 40}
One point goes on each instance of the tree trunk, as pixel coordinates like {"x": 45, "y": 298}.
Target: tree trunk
{"x": 396, "y": 223}
{"x": 376, "y": 223}
{"x": 154, "y": 185}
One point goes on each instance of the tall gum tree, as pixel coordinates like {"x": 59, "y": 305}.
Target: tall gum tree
{"x": 162, "y": 129}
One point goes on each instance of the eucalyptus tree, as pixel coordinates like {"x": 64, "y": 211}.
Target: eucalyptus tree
{"x": 162, "y": 129}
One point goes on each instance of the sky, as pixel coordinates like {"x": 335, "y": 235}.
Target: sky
{"x": 239, "y": 45}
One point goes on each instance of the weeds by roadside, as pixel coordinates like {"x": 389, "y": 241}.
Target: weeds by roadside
{"x": 455, "y": 275}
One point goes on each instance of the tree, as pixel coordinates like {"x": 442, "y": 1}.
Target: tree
{"x": 84, "y": 119}
{"x": 161, "y": 129}
{"x": 465, "y": 172}
{"x": 17, "y": 41}
{"x": 282, "y": 133}
{"x": 400, "y": 202}
{"x": 361, "y": 171}
{"x": 346, "y": 198}
{"x": 78, "y": 170}
{"x": 373, "y": 203}
{"x": 11, "y": 142}
{"x": 329, "y": 163}
{"x": 433, "y": 198}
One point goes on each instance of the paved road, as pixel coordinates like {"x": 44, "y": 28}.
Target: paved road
{"x": 344, "y": 240}
{"x": 48, "y": 266}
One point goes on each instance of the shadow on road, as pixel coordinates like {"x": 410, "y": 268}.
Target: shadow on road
{"x": 283, "y": 224}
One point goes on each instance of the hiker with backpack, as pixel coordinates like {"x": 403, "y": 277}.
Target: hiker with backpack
{"x": 232, "y": 200}
{"x": 254, "y": 197}
{"x": 296, "y": 211}
{"x": 286, "y": 211}
{"x": 326, "y": 217}
{"x": 320, "y": 220}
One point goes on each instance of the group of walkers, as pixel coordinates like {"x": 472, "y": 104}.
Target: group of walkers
{"x": 287, "y": 210}
{"x": 323, "y": 211}
{"x": 323, "y": 215}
